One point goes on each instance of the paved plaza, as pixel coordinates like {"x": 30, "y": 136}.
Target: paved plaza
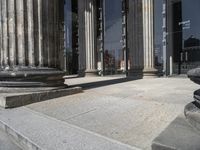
{"x": 129, "y": 112}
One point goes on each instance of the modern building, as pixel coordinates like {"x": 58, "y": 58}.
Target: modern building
{"x": 176, "y": 30}
{"x": 97, "y": 37}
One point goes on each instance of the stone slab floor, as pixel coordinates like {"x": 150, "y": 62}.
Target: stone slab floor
{"x": 6, "y": 143}
{"x": 131, "y": 112}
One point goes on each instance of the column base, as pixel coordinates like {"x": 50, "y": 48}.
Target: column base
{"x": 91, "y": 73}
{"x": 81, "y": 73}
{"x": 31, "y": 78}
{"x": 150, "y": 73}
{"x": 17, "y": 99}
{"x": 140, "y": 73}
{"x": 135, "y": 73}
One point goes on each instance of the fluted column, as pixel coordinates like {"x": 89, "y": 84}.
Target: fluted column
{"x": 1, "y": 36}
{"x": 31, "y": 43}
{"x": 4, "y": 32}
{"x": 40, "y": 34}
{"x": 141, "y": 38}
{"x": 148, "y": 38}
{"x": 30, "y": 26}
{"x": 81, "y": 37}
{"x": 90, "y": 37}
{"x": 20, "y": 32}
{"x": 135, "y": 38}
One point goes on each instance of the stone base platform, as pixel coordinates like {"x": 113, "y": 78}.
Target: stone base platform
{"x": 179, "y": 135}
{"x": 35, "y": 131}
{"x": 11, "y": 100}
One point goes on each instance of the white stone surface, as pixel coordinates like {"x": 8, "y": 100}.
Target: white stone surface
{"x": 42, "y": 132}
{"x": 133, "y": 112}
{"x": 6, "y": 143}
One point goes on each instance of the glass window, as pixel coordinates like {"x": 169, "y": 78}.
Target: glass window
{"x": 185, "y": 34}
{"x": 158, "y": 34}
{"x": 113, "y": 52}
{"x": 71, "y": 36}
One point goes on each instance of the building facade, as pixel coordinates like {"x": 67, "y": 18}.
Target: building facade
{"x": 177, "y": 34}
{"x": 111, "y": 37}
{"x": 138, "y": 38}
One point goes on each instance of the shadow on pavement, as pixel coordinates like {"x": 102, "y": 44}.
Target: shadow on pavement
{"x": 96, "y": 84}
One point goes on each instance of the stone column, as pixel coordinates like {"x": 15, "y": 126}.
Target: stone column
{"x": 30, "y": 28}
{"x": 141, "y": 38}
{"x": 148, "y": 38}
{"x": 81, "y": 37}
{"x": 20, "y": 32}
{"x": 30, "y": 43}
{"x": 1, "y": 36}
{"x": 4, "y": 31}
{"x": 90, "y": 37}
{"x": 135, "y": 38}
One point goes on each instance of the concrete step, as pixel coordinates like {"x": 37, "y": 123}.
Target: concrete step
{"x": 35, "y": 131}
{"x": 11, "y": 100}
{"x": 6, "y": 142}
{"x": 179, "y": 135}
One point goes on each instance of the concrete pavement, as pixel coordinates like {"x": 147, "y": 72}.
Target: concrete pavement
{"x": 6, "y": 143}
{"x": 132, "y": 112}
{"x": 129, "y": 112}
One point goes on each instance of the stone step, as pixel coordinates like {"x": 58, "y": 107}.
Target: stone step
{"x": 192, "y": 114}
{"x": 11, "y": 100}
{"x": 179, "y": 135}
{"x": 6, "y": 142}
{"x": 35, "y": 131}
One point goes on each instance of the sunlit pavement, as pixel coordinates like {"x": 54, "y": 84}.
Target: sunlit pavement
{"x": 131, "y": 112}
{"x": 6, "y": 143}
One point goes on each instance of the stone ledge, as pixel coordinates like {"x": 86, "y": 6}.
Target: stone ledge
{"x": 35, "y": 131}
{"x": 179, "y": 135}
{"x": 6, "y": 143}
{"x": 11, "y": 100}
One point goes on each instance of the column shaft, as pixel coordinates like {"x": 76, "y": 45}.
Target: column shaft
{"x": 4, "y": 33}
{"x": 135, "y": 38}
{"x": 56, "y": 31}
{"x": 31, "y": 39}
{"x": 51, "y": 32}
{"x": 11, "y": 33}
{"x": 48, "y": 3}
{"x": 81, "y": 35}
{"x": 90, "y": 35}
{"x": 20, "y": 32}
{"x": 148, "y": 36}
{"x": 1, "y": 36}
{"x": 40, "y": 34}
